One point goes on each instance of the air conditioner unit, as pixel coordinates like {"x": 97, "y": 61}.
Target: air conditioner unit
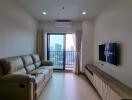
{"x": 63, "y": 23}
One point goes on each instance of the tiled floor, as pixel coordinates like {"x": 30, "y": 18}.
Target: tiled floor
{"x": 67, "y": 86}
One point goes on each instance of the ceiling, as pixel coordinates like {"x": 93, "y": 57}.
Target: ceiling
{"x": 72, "y": 9}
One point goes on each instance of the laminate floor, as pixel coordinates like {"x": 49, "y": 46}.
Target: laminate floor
{"x": 68, "y": 86}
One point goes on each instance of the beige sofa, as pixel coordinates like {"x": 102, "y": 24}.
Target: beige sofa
{"x": 23, "y": 77}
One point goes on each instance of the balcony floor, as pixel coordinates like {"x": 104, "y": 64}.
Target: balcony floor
{"x": 67, "y": 67}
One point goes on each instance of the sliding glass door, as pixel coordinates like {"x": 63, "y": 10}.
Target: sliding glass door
{"x": 56, "y": 50}
{"x": 61, "y": 50}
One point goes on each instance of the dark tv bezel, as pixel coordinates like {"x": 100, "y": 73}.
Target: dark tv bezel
{"x": 116, "y": 51}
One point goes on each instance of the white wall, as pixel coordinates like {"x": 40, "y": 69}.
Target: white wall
{"x": 17, "y": 30}
{"x": 114, "y": 24}
{"x": 87, "y": 37}
{"x": 87, "y": 43}
{"x": 51, "y": 28}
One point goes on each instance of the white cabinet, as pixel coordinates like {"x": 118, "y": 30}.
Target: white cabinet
{"x": 104, "y": 90}
{"x": 114, "y": 96}
{"x": 89, "y": 75}
{"x": 107, "y": 85}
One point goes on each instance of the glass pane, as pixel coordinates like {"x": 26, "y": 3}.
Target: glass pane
{"x": 56, "y": 53}
{"x": 70, "y": 51}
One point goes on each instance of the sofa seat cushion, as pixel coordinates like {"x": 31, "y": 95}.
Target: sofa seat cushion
{"x": 20, "y": 71}
{"x": 40, "y": 71}
{"x": 30, "y": 68}
{"x": 39, "y": 79}
{"x": 50, "y": 68}
{"x": 46, "y": 67}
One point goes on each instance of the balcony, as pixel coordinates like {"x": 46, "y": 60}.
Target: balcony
{"x": 63, "y": 59}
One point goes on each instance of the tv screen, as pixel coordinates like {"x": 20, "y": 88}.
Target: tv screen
{"x": 108, "y": 53}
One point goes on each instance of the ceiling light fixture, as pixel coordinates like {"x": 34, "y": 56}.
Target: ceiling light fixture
{"x": 44, "y": 13}
{"x": 83, "y": 13}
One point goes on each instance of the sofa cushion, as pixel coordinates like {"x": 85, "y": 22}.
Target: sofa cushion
{"x": 46, "y": 67}
{"x": 36, "y": 57}
{"x": 12, "y": 65}
{"x": 28, "y": 63}
{"x": 36, "y": 60}
{"x": 27, "y": 60}
{"x": 39, "y": 79}
{"x": 40, "y": 71}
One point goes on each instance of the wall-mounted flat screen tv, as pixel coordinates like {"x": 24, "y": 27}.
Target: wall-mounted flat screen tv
{"x": 109, "y": 53}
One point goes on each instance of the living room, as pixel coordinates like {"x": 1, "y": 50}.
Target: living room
{"x": 98, "y": 22}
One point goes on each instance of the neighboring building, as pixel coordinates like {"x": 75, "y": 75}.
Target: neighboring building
{"x": 58, "y": 47}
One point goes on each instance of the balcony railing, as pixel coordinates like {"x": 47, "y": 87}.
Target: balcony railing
{"x": 66, "y": 58}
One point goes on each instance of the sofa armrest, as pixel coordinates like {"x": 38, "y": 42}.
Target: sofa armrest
{"x": 17, "y": 78}
{"x": 14, "y": 87}
{"x": 46, "y": 63}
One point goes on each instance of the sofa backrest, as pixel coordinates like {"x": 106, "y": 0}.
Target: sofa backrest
{"x": 28, "y": 63}
{"x": 36, "y": 60}
{"x": 12, "y": 65}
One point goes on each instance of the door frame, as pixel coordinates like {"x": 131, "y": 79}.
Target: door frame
{"x": 48, "y": 43}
